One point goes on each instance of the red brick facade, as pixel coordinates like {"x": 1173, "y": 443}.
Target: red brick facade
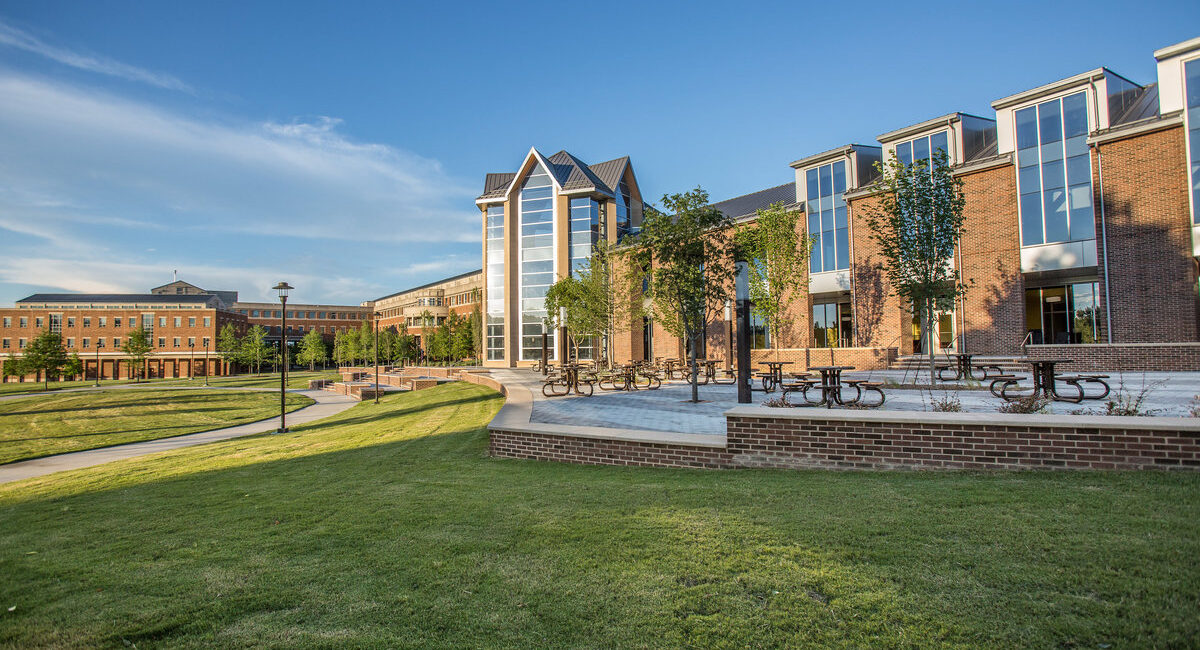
{"x": 1133, "y": 357}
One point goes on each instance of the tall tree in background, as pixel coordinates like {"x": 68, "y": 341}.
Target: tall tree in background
{"x": 366, "y": 343}
{"x": 341, "y": 352}
{"x": 74, "y": 366}
{"x": 690, "y": 264}
{"x": 255, "y": 350}
{"x": 45, "y": 354}
{"x": 461, "y": 337}
{"x": 405, "y": 344}
{"x": 229, "y": 346}
{"x": 917, "y": 224}
{"x": 476, "y": 325}
{"x": 13, "y": 366}
{"x": 137, "y": 347}
{"x": 776, "y": 248}
{"x": 312, "y": 349}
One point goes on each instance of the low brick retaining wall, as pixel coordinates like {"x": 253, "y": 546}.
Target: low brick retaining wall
{"x": 760, "y": 437}
{"x": 801, "y": 358}
{"x": 602, "y": 451}
{"x": 1121, "y": 357}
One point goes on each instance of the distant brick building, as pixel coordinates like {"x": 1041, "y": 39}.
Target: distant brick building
{"x": 95, "y": 326}
{"x": 423, "y": 308}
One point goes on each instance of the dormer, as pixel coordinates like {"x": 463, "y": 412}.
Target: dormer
{"x": 964, "y": 138}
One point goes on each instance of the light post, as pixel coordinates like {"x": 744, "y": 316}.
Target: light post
{"x": 742, "y": 293}
{"x": 99, "y": 344}
{"x": 191, "y": 360}
{"x": 562, "y": 334}
{"x": 282, "y": 289}
{"x": 729, "y": 333}
{"x": 205, "y": 362}
{"x": 376, "y": 358}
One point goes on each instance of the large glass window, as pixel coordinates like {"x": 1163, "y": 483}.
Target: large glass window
{"x": 1054, "y": 172}
{"x": 624, "y": 215}
{"x": 537, "y": 260}
{"x": 922, "y": 149}
{"x": 760, "y": 334}
{"x": 495, "y": 282}
{"x": 585, "y": 230}
{"x": 827, "y": 217}
{"x": 1192, "y": 74}
{"x": 833, "y": 325}
{"x": 1063, "y": 314}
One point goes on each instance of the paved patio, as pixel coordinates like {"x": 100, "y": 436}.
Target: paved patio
{"x": 667, "y": 409}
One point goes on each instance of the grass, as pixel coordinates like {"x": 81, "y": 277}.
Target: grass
{"x": 297, "y": 379}
{"x": 388, "y": 526}
{"x": 42, "y": 425}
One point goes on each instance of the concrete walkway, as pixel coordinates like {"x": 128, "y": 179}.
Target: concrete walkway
{"x": 328, "y": 403}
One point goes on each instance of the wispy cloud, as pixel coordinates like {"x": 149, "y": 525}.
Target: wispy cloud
{"x": 20, "y": 39}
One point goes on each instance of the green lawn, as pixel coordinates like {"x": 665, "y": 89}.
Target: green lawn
{"x": 388, "y": 526}
{"x": 42, "y": 425}
{"x": 14, "y": 387}
{"x": 264, "y": 380}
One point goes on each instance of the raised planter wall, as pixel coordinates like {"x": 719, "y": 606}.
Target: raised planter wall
{"x": 1121, "y": 357}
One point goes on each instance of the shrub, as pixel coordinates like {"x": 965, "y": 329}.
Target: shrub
{"x": 949, "y": 403}
{"x": 1125, "y": 402}
{"x": 1026, "y": 405}
{"x": 779, "y": 402}
{"x": 1195, "y": 410}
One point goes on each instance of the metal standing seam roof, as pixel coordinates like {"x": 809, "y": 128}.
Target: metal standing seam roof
{"x": 432, "y": 284}
{"x": 571, "y": 173}
{"x": 740, "y": 207}
{"x": 116, "y": 298}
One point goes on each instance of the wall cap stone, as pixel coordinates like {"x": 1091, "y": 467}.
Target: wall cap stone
{"x": 975, "y": 419}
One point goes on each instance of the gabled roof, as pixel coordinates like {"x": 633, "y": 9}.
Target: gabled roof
{"x": 741, "y": 207}
{"x": 496, "y": 185}
{"x": 571, "y": 174}
{"x": 610, "y": 171}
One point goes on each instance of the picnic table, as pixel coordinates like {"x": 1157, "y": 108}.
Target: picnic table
{"x": 963, "y": 368}
{"x": 1045, "y": 383}
{"x": 774, "y": 375}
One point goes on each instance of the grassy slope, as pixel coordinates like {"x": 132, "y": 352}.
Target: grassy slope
{"x": 297, "y": 379}
{"x": 43, "y": 425}
{"x": 388, "y": 525}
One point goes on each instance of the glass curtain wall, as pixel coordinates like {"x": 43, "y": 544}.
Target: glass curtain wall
{"x": 495, "y": 282}
{"x": 827, "y": 218}
{"x": 832, "y": 325}
{"x": 760, "y": 334}
{"x": 1192, "y": 74}
{"x": 1063, "y": 314}
{"x": 922, "y": 149}
{"x": 624, "y": 215}
{"x": 1054, "y": 171}
{"x": 537, "y": 261}
{"x": 585, "y": 233}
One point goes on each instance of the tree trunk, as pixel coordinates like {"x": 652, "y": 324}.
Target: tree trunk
{"x": 929, "y": 336}
{"x": 694, "y": 376}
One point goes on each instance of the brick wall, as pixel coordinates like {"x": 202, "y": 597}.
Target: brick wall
{"x": 957, "y": 443}
{"x": 992, "y": 314}
{"x": 1151, "y": 270}
{"x": 1100, "y": 357}
{"x": 879, "y": 319}
{"x": 599, "y": 451}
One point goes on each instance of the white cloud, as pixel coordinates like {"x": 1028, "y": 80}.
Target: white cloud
{"x": 23, "y": 40}
{"x": 130, "y": 160}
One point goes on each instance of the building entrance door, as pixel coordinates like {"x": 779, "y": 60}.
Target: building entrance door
{"x": 945, "y": 334}
{"x": 1055, "y": 326}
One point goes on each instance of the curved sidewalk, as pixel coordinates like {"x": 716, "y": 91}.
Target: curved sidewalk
{"x": 327, "y": 404}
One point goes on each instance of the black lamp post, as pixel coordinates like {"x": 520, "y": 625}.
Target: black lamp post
{"x": 282, "y": 289}
{"x": 376, "y": 358}
{"x": 191, "y": 360}
{"x": 205, "y": 362}
{"x": 99, "y": 344}
{"x": 742, "y": 293}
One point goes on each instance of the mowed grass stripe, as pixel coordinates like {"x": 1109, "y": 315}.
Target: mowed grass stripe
{"x": 44, "y": 425}
{"x": 389, "y": 526}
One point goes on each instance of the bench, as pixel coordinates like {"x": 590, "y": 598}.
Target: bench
{"x": 860, "y": 385}
{"x": 1078, "y": 379}
{"x": 1004, "y": 382}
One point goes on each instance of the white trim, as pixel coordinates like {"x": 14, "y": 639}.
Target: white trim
{"x": 542, "y": 159}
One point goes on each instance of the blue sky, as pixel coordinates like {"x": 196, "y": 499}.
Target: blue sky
{"x": 340, "y": 146}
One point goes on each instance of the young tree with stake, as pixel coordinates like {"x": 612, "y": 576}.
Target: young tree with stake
{"x": 917, "y": 225}
{"x": 777, "y": 249}
{"x": 691, "y": 267}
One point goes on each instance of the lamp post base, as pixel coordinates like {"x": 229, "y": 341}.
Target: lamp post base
{"x": 281, "y": 430}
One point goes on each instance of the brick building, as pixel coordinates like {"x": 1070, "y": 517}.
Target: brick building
{"x": 1082, "y": 232}
{"x": 95, "y": 326}
{"x": 425, "y": 307}
{"x": 302, "y": 319}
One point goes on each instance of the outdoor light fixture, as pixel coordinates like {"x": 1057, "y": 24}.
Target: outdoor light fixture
{"x": 562, "y": 333}
{"x": 282, "y": 289}
{"x": 742, "y": 293}
{"x": 191, "y": 360}
{"x": 99, "y": 344}
{"x": 206, "y": 362}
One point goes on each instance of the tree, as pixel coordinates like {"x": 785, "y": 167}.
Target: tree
{"x": 405, "y": 346}
{"x": 341, "y": 348}
{"x": 776, "y": 249}
{"x": 137, "y": 347}
{"x": 74, "y": 366}
{"x": 917, "y": 224}
{"x": 475, "y": 323}
{"x": 439, "y": 342}
{"x": 690, "y": 264}
{"x": 461, "y": 337}
{"x": 45, "y": 354}
{"x": 366, "y": 343}
{"x": 312, "y": 349}
{"x": 14, "y": 366}
{"x": 255, "y": 350}
{"x": 229, "y": 347}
